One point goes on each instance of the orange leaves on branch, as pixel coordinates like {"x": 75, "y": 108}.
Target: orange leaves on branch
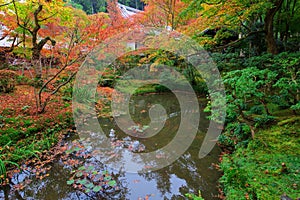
{"x": 161, "y": 13}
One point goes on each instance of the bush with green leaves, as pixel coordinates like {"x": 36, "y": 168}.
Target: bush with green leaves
{"x": 235, "y": 135}
{"x": 84, "y": 94}
{"x": 288, "y": 84}
{"x": 250, "y": 86}
{"x": 256, "y": 87}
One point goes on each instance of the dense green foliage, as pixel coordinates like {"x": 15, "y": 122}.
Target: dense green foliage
{"x": 262, "y": 91}
{"x": 152, "y": 63}
{"x": 257, "y": 87}
{"x": 90, "y": 6}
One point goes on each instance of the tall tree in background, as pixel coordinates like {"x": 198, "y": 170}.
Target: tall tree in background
{"x": 243, "y": 17}
{"x": 286, "y": 21}
{"x": 269, "y": 25}
{"x": 137, "y": 4}
{"x": 90, "y": 6}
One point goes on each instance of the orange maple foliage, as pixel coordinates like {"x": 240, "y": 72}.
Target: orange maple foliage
{"x": 161, "y": 13}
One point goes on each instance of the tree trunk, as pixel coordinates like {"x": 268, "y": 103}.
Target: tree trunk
{"x": 269, "y": 20}
{"x": 36, "y": 55}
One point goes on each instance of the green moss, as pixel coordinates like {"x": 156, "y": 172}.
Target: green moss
{"x": 257, "y": 170}
{"x": 290, "y": 120}
{"x": 130, "y": 87}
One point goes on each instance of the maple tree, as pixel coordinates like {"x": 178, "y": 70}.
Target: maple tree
{"x": 82, "y": 34}
{"x": 77, "y": 40}
{"x": 72, "y": 35}
{"x": 28, "y": 18}
{"x": 162, "y": 13}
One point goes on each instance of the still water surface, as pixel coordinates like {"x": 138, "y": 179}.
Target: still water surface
{"x": 188, "y": 174}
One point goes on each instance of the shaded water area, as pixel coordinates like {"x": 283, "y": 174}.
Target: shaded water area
{"x": 188, "y": 174}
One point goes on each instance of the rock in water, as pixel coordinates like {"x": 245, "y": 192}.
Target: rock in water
{"x": 135, "y": 145}
{"x": 112, "y": 133}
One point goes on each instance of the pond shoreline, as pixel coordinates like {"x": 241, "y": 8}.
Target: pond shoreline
{"x": 44, "y": 175}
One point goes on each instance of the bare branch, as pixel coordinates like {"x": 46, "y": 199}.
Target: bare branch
{"x": 6, "y": 4}
{"x": 239, "y": 40}
{"x": 55, "y": 91}
{"x": 46, "y": 18}
{"x": 13, "y": 45}
{"x": 3, "y": 37}
{"x": 213, "y": 3}
{"x": 56, "y": 75}
{"x": 64, "y": 83}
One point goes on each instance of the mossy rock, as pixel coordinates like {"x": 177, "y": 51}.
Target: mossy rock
{"x": 289, "y": 121}
{"x": 8, "y": 80}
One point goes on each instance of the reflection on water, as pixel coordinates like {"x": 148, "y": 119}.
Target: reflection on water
{"x": 188, "y": 174}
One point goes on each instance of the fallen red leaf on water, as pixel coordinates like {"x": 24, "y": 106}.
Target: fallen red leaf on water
{"x": 136, "y": 181}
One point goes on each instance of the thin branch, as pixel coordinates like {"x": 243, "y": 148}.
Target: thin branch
{"x": 56, "y": 90}
{"x": 3, "y": 37}
{"x": 18, "y": 19}
{"x": 6, "y": 4}
{"x": 64, "y": 83}
{"x": 213, "y": 3}
{"x": 46, "y": 18}
{"x": 56, "y": 75}
{"x": 13, "y": 45}
{"x": 239, "y": 40}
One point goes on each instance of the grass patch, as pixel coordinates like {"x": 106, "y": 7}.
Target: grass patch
{"x": 21, "y": 138}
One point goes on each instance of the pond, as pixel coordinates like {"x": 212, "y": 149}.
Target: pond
{"x": 188, "y": 174}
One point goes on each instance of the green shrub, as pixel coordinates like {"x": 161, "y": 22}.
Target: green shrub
{"x": 296, "y": 106}
{"x": 23, "y": 80}
{"x": 66, "y": 92}
{"x": 263, "y": 120}
{"x": 161, "y": 88}
{"x": 236, "y": 135}
{"x": 257, "y": 109}
{"x": 84, "y": 94}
